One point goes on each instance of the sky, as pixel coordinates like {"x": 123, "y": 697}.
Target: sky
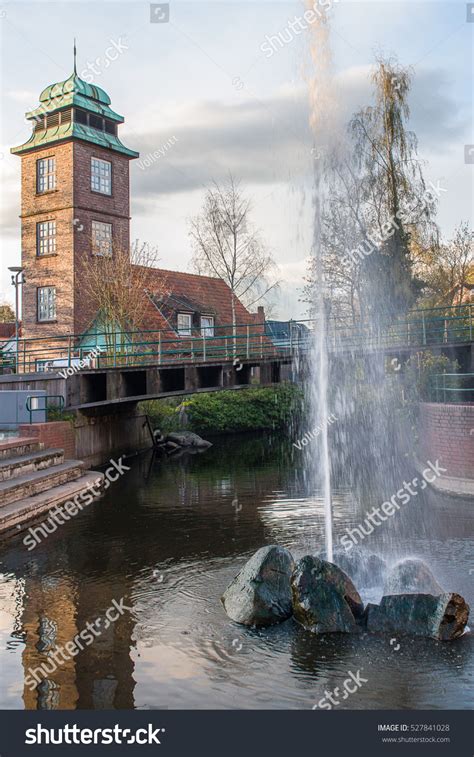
{"x": 197, "y": 88}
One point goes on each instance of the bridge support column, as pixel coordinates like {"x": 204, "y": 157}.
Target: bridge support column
{"x": 153, "y": 381}
{"x": 114, "y": 385}
{"x": 104, "y": 435}
{"x": 265, "y": 373}
{"x": 191, "y": 378}
{"x": 229, "y": 375}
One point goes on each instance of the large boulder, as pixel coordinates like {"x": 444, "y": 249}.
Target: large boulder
{"x": 366, "y": 569}
{"x": 187, "y": 439}
{"x": 260, "y": 595}
{"x": 411, "y": 576}
{"x": 443, "y": 617}
{"x": 324, "y": 598}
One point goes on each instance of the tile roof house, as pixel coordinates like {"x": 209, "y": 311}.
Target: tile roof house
{"x": 187, "y": 314}
{"x": 199, "y": 297}
{"x": 76, "y": 205}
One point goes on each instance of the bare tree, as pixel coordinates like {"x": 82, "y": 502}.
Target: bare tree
{"x": 226, "y": 246}
{"x": 448, "y": 269}
{"x": 115, "y": 287}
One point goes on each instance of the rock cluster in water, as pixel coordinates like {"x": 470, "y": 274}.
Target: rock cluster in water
{"x": 321, "y": 597}
{"x": 324, "y": 598}
{"x": 260, "y": 594}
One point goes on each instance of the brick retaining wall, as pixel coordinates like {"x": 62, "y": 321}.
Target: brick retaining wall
{"x": 447, "y": 434}
{"x": 53, "y": 434}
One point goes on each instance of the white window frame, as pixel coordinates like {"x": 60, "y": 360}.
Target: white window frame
{"x": 101, "y": 236}
{"x": 101, "y": 176}
{"x": 45, "y": 175}
{"x": 207, "y": 330}
{"x": 45, "y": 238}
{"x": 185, "y": 330}
{"x": 46, "y": 304}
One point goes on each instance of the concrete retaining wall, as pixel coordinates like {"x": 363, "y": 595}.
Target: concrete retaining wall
{"x": 94, "y": 440}
{"x": 102, "y": 437}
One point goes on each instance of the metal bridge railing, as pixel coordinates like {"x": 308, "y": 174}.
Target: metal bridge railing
{"x": 452, "y": 388}
{"x": 419, "y": 328}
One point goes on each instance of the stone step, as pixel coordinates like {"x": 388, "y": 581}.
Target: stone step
{"x": 39, "y": 481}
{"x": 18, "y": 445}
{"x": 35, "y": 508}
{"x": 13, "y": 467}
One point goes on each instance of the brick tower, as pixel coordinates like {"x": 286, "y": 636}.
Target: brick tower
{"x": 75, "y": 202}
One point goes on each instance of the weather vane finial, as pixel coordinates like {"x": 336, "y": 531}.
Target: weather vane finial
{"x": 75, "y": 70}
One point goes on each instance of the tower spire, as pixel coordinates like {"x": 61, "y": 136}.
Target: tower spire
{"x": 75, "y": 53}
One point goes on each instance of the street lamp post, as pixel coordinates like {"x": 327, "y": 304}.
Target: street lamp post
{"x": 18, "y": 279}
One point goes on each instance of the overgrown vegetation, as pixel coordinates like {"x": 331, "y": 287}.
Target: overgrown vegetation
{"x": 56, "y": 414}
{"x": 230, "y": 411}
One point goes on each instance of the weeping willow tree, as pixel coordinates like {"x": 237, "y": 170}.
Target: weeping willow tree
{"x": 380, "y": 212}
{"x": 391, "y": 182}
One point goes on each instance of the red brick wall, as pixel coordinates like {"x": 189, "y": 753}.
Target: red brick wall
{"x": 91, "y": 206}
{"x": 52, "y": 270}
{"x": 447, "y": 434}
{"x": 74, "y": 206}
{"x": 59, "y": 434}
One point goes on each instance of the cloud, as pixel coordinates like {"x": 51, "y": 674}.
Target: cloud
{"x": 260, "y": 141}
{"x": 10, "y": 194}
{"x": 266, "y": 141}
{"x": 437, "y": 117}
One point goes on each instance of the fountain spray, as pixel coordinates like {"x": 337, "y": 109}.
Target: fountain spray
{"x": 322, "y": 117}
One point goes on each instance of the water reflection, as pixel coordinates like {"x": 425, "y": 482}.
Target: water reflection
{"x": 167, "y": 539}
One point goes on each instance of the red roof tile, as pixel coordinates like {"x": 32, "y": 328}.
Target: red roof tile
{"x": 209, "y": 295}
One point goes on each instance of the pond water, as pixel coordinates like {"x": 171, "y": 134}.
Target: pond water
{"x": 166, "y": 539}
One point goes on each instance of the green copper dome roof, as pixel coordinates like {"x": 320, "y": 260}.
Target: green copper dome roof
{"x": 76, "y": 94}
{"x": 76, "y": 85}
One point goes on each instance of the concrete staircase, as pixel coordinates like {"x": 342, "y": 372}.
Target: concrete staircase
{"x": 33, "y": 480}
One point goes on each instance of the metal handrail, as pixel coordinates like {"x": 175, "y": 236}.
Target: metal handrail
{"x": 433, "y": 326}
{"x": 44, "y": 409}
{"x": 441, "y": 388}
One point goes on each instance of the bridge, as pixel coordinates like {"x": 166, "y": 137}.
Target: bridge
{"x": 127, "y": 367}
